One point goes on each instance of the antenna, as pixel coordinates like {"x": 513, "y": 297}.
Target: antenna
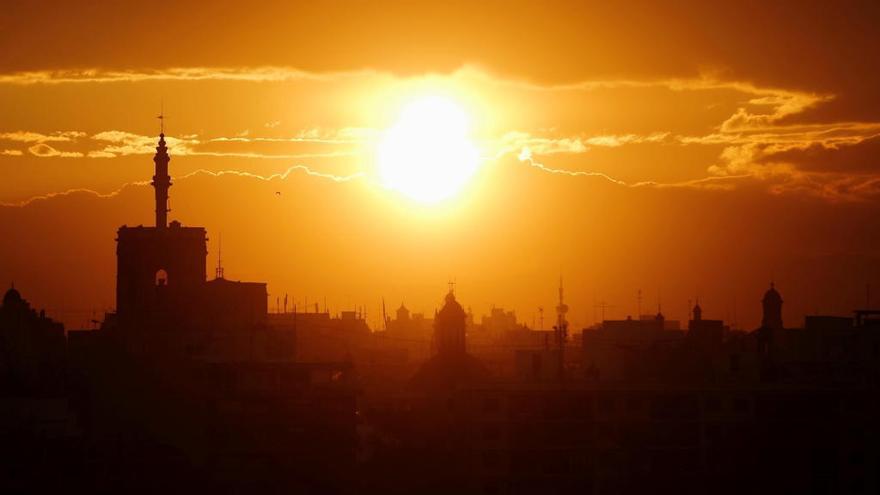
{"x": 659, "y": 302}
{"x": 219, "y": 272}
{"x": 561, "y": 329}
{"x": 735, "y": 323}
{"x": 603, "y": 306}
{"x": 161, "y": 117}
{"x": 639, "y": 303}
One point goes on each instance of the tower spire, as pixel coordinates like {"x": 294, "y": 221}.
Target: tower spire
{"x": 161, "y": 179}
{"x": 161, "y": 118}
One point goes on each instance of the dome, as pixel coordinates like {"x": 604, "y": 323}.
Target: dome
{"x": 12, "y": 296}
{"x": 698, "y": 311}
{"x": 772, "y": 295}
{"x": 452, "y": 307}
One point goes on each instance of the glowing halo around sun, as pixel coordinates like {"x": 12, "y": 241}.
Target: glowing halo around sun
{"x": 427, "y": 154}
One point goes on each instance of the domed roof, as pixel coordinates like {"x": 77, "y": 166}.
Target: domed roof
{"x": 452, "y": 307}
{"x": 772, "y": 294}
{"x": 12, "y": 296}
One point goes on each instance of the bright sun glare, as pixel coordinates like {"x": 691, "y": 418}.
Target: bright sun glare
{"x": 427, "y": 155}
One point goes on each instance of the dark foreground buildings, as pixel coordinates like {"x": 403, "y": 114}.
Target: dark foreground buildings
{"x": 192, "y": 386}
{"x": 184, "y": 388}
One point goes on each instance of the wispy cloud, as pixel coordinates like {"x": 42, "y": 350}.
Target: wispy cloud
{"x": 286, "y": 175}
{"x": 101, "y": 76}
{"x": 752, "y": 140}
{"x": 347, "y": 135}
{"x": 36, "y": 137}
{"x": 43, "y": 150}
{"x": 123, "y": 143}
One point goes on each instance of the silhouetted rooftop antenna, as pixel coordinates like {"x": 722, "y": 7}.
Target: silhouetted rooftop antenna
{"x": 639, "y": 302}
{"x": 659, "y": 303}
{"x": 219, "y": 272}
{"x": 541, "y": 316}
{"x": 603, "y": 306}
{"x": 735, "y": 324}
{"x": 561, "y": 329}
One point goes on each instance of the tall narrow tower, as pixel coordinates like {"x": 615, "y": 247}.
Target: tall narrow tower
{"x": 561, "y": 329}
{"x": 161, "y": 182}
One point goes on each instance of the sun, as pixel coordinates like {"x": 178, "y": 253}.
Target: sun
{"x": 427, "y": 154}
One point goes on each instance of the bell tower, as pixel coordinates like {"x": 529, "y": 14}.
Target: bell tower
{"x": 161, "y": 270}
{"x": 161, "y": 181}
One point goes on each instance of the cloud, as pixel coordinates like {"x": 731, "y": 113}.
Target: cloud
{"x": 781, "y": 104}
{"x": 764, "y": 138}
{"x": 525, "y": 144}
{"x": 11, "y": 153}
{"x": 102, "y": 76}
{"x": 43, "y": 150}
{"x": 346, "y": 135}
{"x": 614, "y": 141}
{"x": 861, "y": 156}
{"x": 286, "y": 175}
{"x": 100, "y": 154}
{"x": 123, "y": 143}
{"x": 36, "y": 137}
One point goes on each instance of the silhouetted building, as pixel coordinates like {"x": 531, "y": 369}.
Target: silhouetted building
{"x": 625, "y": 349}
{"x": 188, "y": 386}
{"x": 162, "y": 288}
{"x": 32, "y": 349}
{"x": 772, "y": 305}
{"x": 452, "y": 365}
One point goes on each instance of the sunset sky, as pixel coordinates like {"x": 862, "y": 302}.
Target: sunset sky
{"x": 687, "y": 151}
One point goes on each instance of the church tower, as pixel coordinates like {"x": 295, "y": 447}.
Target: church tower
{"x": 161, "y": 182}
{"x": 160, "y": 270}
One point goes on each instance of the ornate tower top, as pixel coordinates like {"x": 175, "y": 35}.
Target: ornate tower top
{"x": 449, "y": 327}
{"x": 161, "y": 181}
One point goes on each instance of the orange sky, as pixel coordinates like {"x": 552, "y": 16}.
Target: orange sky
{"x": 686, "y": 151}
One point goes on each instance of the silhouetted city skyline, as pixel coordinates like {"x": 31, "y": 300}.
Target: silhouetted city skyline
{"x": 439, "y": 247}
